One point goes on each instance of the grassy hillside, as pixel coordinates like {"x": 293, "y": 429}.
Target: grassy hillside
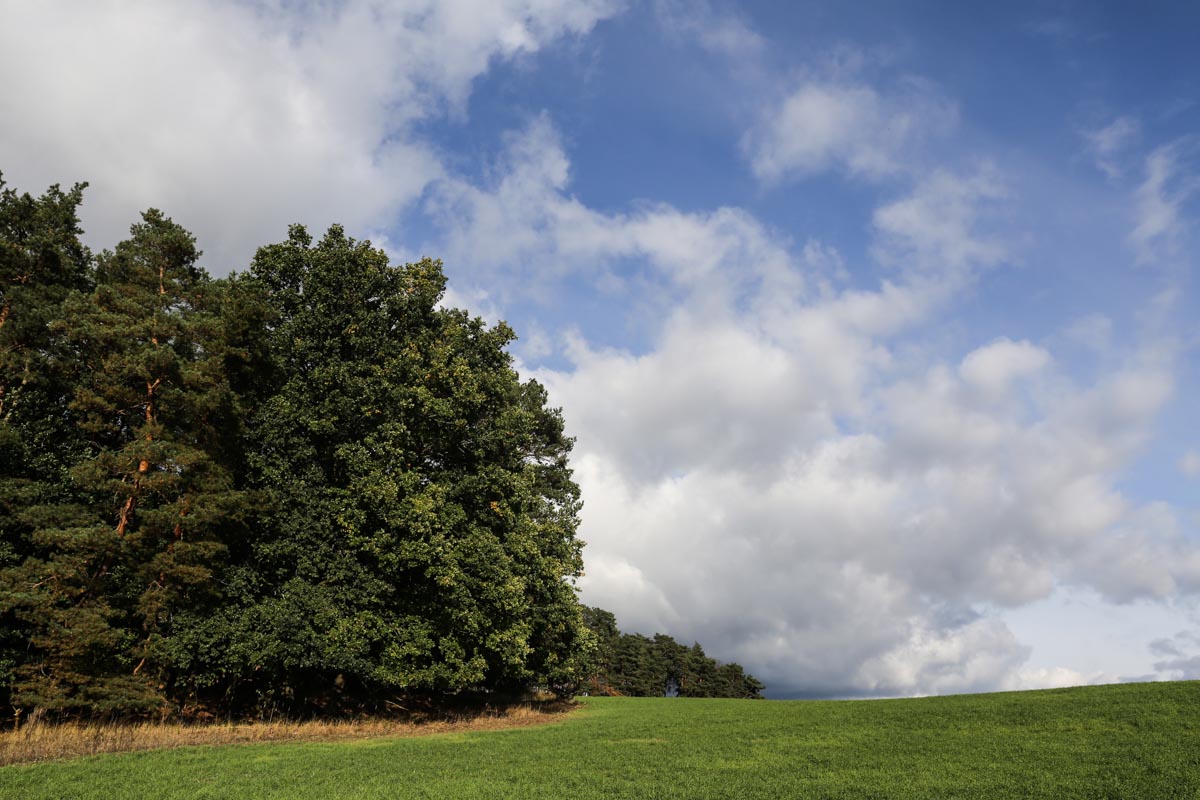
{"x": 1130, "y": 741}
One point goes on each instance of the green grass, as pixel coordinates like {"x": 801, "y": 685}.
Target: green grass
{"x": 1129, "y": 741}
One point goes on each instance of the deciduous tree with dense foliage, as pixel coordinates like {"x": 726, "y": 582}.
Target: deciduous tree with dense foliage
{"x": 309, "y": 487}
{"x": 422, "y": 532}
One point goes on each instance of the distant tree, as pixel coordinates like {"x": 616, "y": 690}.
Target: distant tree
{"x": 638, "y": 666}
{"x": 603, "y": 625}
{"x": 736, "y": 682}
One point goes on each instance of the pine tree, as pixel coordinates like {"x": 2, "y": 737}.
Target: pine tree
{"x": 637, "y": 666}
{"x": 113, "y": 568}
{"x": 41, "y": 261}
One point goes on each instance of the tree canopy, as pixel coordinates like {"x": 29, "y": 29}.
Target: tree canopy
{"x": 304, "y": 487}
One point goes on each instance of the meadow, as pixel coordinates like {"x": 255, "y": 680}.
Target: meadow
{"x": 1122, "y": 741}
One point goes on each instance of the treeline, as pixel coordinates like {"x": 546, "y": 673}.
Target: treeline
{"x": 638, "y": 666}
{"x": 306, "y": 487}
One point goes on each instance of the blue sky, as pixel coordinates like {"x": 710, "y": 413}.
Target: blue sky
{"x": 875, "y": 323}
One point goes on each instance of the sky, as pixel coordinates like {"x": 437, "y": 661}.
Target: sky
{"x": 875, "y": 323}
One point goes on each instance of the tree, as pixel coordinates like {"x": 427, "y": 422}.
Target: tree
{"x": 637, "y": 666}
{"x": 420, "y": 532}
{"x": 303, "y": 488}
{"x": 41, "y": 262}
{"x": 137, "y": 541}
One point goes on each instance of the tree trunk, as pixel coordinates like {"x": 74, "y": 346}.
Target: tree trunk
{"x": 143, "y": 465}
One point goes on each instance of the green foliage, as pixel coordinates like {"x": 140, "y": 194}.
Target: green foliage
{"x": 304, "y": 488}
{"x": 41, "y": 262}
{"x": 423, "y": 521}
{"x": 1125, "y": 741}
{"x": 136, "y": 540}
{"x": 633, "y": 665}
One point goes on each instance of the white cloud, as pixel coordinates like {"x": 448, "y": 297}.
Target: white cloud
{"x": 240, "y": 118}
{"x": 1093, "y": 331}
{"x": 973, "y": 657}
{"x": 700, "y": 397}
{"x": 1057, "y": 678}
{"x": 840, "y": 561}
{"x": 696, "y": 21}
{"x": 534, "y": 344}
{"x": 935, "y": 227}
{"x": 824, "y": 125}
{"x": 473, "y": 299}
{"x": 992, "y": 369}
{"x": 1189, "y": 464}
{"x": 1148, "y": 555}
{"x": 526, "y": 224}
{"x": 1171, "y": 182}
{"x": 1108, "y": 144}
{"x": 767, "y": 477}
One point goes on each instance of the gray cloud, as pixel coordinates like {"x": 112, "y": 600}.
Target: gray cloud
{"x": 1180, "y": 656}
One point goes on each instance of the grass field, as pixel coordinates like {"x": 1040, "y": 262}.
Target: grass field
{"x": 1127, "y": 741}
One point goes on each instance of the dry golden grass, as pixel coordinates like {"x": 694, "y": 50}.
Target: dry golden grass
{"x": 41, "y": 741}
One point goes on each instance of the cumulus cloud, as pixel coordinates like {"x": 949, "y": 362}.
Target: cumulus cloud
{"x": 525, "y": 220}
{"x": 945, "y": 660}
{"x": 844, "y": 125}
{"x": 936, "y": 226}
{"x": 525, "y": 223}
{"x": 1189, "y": 464}
{"x": 240, "y": 118}
{"x": 731, "y": 501}
{"x": 768, "y": 477}
{"x": 1148, "y": 555}
{"x": 993, "y": 369}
